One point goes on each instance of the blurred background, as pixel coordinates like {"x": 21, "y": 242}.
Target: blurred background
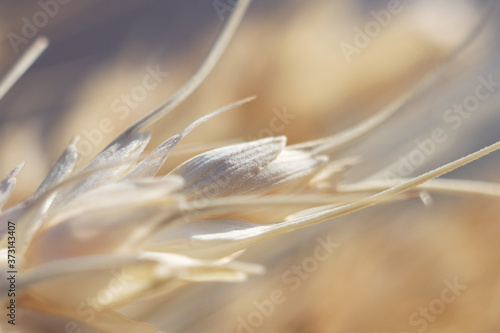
{"x": 318, "y": 68}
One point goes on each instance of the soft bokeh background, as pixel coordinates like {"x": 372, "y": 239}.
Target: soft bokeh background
{"x": 392, "y": 260}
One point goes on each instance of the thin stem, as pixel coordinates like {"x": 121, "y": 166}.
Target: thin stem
{"x": 23, "y": 64}
{"x": 340, "y": 140}
{"x": 449, "y": 186}
{"x": 206, "y": 67}
{"x": 381, "y": 196}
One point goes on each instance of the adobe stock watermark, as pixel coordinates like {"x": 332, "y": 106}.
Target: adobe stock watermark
{"x": 424, "y": 148}
{"x": 485, "y": 88}
{"x": 277, "y": 124}
{"x": 200, "y": 197}
{"x": 420, "y": 319}
{"x": 121, "y": 106}
{"x": 88, "y": 309}
{"x": 224, "y": 6}
{"x": 31, "y": 25}
{"x": 453, "y": 118}
{"x": 372, "y": 29}
{"x": 292, "y": 278}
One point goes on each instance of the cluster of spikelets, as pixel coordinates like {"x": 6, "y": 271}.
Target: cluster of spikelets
{"x": 90, "y": 242}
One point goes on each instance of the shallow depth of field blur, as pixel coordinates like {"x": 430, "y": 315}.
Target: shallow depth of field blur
{"x": 395, "y": 264}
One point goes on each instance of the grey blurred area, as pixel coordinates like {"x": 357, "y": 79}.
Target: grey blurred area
{"x": 84, "y": 36}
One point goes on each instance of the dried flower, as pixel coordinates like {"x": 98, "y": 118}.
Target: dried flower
{"x": 90, "y": 242}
